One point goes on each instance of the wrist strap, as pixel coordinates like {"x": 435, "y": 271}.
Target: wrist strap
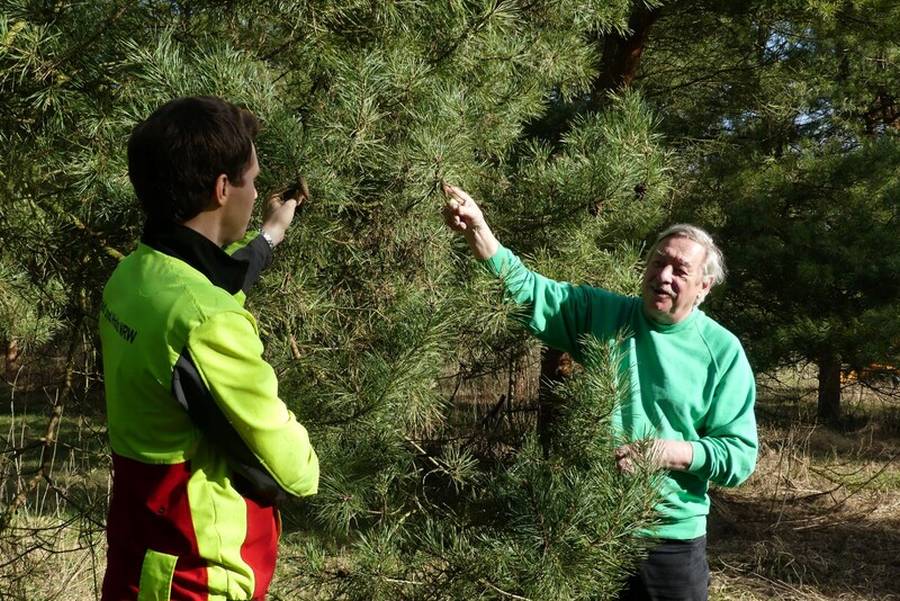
{"x": 268, "y": 238}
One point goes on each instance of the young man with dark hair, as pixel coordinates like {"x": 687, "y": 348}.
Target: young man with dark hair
{"x": 203, "y": 448}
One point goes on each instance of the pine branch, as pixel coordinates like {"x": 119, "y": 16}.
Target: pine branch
{"x": 109, "y": 250}
{"x": 83, "y": 46}
{"x": 502, "y": 592}
{"x": 471, "y": 30}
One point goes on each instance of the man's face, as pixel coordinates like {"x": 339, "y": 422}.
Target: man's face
{"x": 240, "y": 200}
{"x": 673, "y": 280}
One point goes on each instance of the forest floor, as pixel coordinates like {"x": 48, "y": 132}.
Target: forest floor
{"x": 819, "y": 520}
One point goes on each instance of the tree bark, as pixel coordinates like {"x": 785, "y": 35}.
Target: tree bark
{"x": 555, "y": 366}
{"x": 622, "y": 54}
{"x": 11, "y": 356}
{"x": 829, "y": 408}
{"x": 620, "y": 59}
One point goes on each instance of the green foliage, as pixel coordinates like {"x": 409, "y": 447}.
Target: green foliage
{"x": 26, "y": 315}
{"x": 371, "y": 302}
{"x": 553, "y": 528}
{"x": 790, "y": 151}
{"x": 585, "y": 210}
{"x": 823, "y": 221}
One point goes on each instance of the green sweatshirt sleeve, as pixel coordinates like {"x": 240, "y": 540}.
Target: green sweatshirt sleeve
{"x": 727, "y": 449}
{"x": 558, "y": 313}
{"x": 228, "y": 354}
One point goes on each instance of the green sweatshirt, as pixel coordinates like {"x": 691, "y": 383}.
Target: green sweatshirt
{"x": 689, "y": 381}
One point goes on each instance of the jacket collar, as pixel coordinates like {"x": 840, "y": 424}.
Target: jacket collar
{"x": 198, "y": 251}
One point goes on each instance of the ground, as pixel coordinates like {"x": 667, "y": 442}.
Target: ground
{"x": 819, "y": 520}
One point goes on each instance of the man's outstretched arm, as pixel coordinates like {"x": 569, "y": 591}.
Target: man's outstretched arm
{"x": 556, "y": 312}
{"x": 256, "y": 247}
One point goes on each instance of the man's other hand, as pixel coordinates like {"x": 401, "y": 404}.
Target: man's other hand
{"x": 661, "y": 454}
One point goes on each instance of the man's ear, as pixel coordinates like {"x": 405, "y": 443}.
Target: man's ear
{"x": 220, "y": 190}
{"x": 705, "y": 286}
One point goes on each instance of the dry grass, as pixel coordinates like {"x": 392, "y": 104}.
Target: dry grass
{"x": 819, "y": 520}
{"x": 54, "y": 485}
{"x": 51, "y": 559}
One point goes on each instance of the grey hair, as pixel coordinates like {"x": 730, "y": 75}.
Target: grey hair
{"x": 714, "y": 263}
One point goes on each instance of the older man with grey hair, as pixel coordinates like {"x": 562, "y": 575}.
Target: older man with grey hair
{"x": 692, "y": 389}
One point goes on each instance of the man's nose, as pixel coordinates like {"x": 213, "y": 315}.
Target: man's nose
{"x": 665, "y": 274}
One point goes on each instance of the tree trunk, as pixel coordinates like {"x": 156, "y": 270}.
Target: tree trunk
{"x": 11, "y": 356}
{"x": 829, "y": 409}
{"x": 622, "y": 54}
{"x": 555, "y": 366}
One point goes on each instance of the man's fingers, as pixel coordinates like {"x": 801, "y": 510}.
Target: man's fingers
{"x": 452, "y": 218}
{"x": 456, "y": 223}
{"x": 457, "y": 193}
{"x": 449, "y": 212}
{"x": 624, "y": 461}
{"x": 277, "y": 200}
{"x": 461, "y": 194}
{"x": 299, "y": 196}
{"x": 450, "y": 191}
{"x": 298, "y": 192}
{"x": 459, "y": 213}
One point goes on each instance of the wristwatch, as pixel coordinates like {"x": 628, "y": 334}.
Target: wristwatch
{"x": 267, "y": 237}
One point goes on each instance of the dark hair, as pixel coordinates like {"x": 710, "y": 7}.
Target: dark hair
{"x": 176, "y": 154}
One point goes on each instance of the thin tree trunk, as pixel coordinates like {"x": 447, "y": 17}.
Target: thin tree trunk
{"x": 829, "y": 409}
{"x": 11, "y": 356}
{"x": 555, "y": 366}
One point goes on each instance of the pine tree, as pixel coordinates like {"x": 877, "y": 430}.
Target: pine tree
{"x": 371, "y": 306}
{"x": 790, "y": 150}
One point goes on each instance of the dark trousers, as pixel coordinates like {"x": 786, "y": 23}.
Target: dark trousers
{"x": 675, "y": 570}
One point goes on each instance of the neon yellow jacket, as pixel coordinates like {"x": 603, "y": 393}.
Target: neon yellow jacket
{"x": 202, "y": 445}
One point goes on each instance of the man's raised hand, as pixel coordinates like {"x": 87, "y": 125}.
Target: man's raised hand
{"x": 461, "y": 214}
{"x": 278, "y": 215}
{"x": 460, "y": 211}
